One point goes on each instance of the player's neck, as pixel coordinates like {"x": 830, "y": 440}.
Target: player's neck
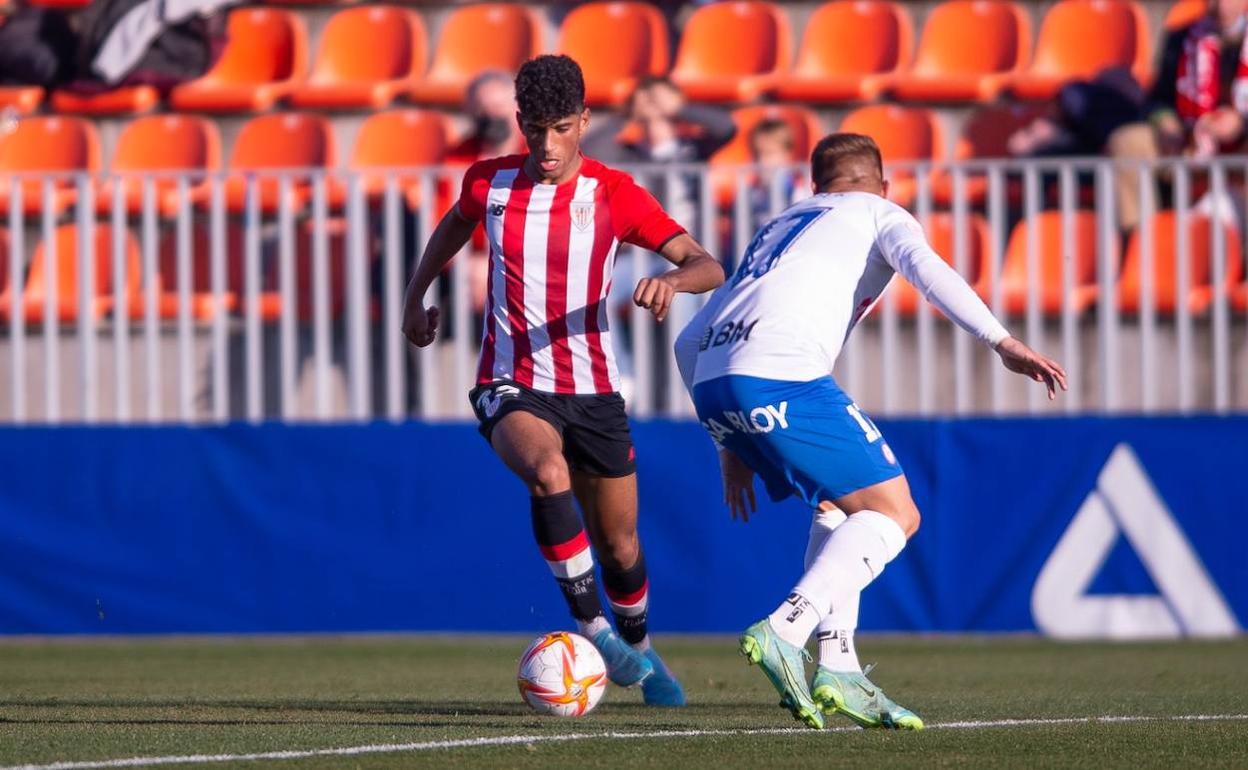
{"x": 534, "y": 172}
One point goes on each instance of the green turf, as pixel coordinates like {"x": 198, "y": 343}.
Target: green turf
{"x": 82, "y": 700}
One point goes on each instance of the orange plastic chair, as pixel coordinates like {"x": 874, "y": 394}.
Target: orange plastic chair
{"x": 1165, "y": 261}
{"x": 61, "y": 3}
{"x": 390, "y": 141}
{"x": 126, "y": 100}
{"x": 733, "y": 51}
{"x": 367, "y": 57}
{"x": 47, "y": 144}
{"x": 850, "y": 51}
{"x": 160, "y": 143}
{"x": 940, "y": 233}
{"x": 969, "y": 51}
{"x": 1183, "y": 13}
{"x": 264, "y": 61}
{"x": 5, "y": 256}
{"x": 807, "y": 131}
{"x": 286, "y": 141}
{"x": 985, "y": 134}
{"x": 491, "y": 36}
{"x": 203, "y": 304}
{"x": 1079, "y": 38}
{"x": 616, "y": 43}
{"x": 65, "y": 300}
{"x": 1239, "y": 298}
{"x": 903, "y": 134}
{"x": 1050, "y": 259}
{"x": 24, "y": 99}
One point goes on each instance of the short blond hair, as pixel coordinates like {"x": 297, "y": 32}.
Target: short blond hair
{"x": 841, "y": 155}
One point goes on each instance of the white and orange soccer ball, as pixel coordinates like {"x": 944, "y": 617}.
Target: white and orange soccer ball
{"x": 562, "y": 674}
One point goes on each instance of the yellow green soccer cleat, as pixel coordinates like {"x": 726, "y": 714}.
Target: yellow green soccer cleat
{"x": 855, "y": 696}
{"x": 782, "y": 663}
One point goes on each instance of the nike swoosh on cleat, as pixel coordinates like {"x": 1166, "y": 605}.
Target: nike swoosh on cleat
{"x": 870, "y": 693}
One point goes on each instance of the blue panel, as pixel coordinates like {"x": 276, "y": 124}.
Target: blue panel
{"x": 419, "y": 527}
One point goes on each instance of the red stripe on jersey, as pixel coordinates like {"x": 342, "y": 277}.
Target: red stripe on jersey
{"x": 628, "y": 600}
{"x": 485, "y": 370}
{"x": 513, "y": 254}
{"x": 603, "y": 237}
{"x": 557, "y": 241}
{"x": 566, "y": 550}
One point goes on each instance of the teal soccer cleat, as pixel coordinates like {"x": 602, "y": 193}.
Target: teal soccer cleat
{"x": 858, "y": 698}
{"x": 783, "y": 664}
{"x": 625, "y": 666}
{"x": 661, "y": 688}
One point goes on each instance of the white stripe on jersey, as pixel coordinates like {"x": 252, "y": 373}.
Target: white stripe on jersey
{"x": 504, "y": 352}
{"x": 536, "y": 232}
{"x": 613, "y": 371}
{"x": 580, "y": 254}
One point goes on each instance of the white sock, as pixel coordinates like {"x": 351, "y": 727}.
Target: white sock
{"x": 591, "y": 628}
{"x": 836, "y": 631}
{"x": 795, "y": 619}
{"x": 852, "y": 556}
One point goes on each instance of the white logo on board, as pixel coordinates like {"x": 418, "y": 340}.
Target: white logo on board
{"x": 1125, "y": 501}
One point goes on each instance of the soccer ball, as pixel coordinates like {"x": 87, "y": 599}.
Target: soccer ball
{"x": 562, "y": 674}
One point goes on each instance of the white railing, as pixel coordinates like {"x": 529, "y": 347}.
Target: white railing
{"x": 286, "y": 289}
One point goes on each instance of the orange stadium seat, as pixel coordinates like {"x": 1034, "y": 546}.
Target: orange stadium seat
{"x": 284, "y": 141}
{"x": 1165, "y": 262}
{"x": 615, "y": 43}
{"x": 70, "y": 4}
{"x": 1050, "y": 260}
{"x": 940, "y": 234}
{"x": 24, "y": 99}
{"x": 119, "y": 101}
{"x": 903, "y": 134}
{"x": 1184, "y": 12}
{"x": 49, "y": 144}
{"x": 204, "y": 305}
{"x": 968, "y": 52}
{"x": 1079, "y": 38}
{"x": 850, "y": 51}
{"x": 264, "y": 61}
{"x": 368, "y": 56}
{"x": 401, "y": 139}
{"x": 807, "y": 131}
{"x": 491, "y": 36}
{"x": 1239, "y": 298}
{"x": 985, "y": 134}
{"x": 66, "y": 298}
{"x": 161, "y": 143}
{"x": 5, "y": 256}
{"x": 732, "y": 51}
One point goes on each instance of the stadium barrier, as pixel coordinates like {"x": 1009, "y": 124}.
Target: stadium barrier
{"x": 1077, "y": 527}
{"x": 277, "y": 295}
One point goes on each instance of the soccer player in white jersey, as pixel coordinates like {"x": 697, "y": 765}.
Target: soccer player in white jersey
{"x": 547, "y": 387}
{"x": 757, "y": 360}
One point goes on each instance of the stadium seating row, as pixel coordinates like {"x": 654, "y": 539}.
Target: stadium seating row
{"x": 1051, "y": 259}
{"x": 851, "y": 50}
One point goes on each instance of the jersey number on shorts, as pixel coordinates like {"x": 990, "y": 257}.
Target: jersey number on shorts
{"x": 868, "y": 427}
{"x": 771, "y": 242}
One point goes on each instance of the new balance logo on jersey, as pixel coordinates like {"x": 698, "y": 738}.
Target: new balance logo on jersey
{"x": 489, "y": 401}
{"x": 497, "y": 209}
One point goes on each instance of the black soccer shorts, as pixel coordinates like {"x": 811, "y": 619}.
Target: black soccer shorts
{"x": 596, "y": 437}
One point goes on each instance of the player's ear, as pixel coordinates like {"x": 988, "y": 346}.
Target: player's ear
{"x": 884, "y": 189}
{"x": 584, "y": 119}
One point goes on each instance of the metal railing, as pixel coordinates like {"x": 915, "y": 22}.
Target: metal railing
{"x": 286, "y": 290}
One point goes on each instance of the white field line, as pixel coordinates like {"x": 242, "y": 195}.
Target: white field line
{"x": 510, "y": 740}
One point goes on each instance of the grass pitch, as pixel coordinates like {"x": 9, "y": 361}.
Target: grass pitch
{"x": 73, "y": 700}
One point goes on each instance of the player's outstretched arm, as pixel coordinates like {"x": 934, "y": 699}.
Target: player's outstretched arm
{"x": 420, "y": 325}
{"x": 1019, "y": 358}
{"x": 696, "y": 272}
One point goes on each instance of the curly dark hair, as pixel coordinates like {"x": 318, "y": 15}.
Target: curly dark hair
{"x": 549, "y": 88}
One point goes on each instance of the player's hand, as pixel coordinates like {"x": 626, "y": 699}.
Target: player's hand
{"x": 655, "y": 294}
{"x": 1019, "y": 358}
{"x": 420, "y": 326}
{"x": 738, "y": 485}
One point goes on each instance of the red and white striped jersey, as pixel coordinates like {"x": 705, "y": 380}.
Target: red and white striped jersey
{"x": 552, "y": 250}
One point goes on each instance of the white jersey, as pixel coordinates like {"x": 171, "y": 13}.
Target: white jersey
{"x": 806, "y": 280}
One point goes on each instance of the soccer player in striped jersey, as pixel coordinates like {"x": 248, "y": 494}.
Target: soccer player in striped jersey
{"x": 547, "y": 394}
{"x": 758, "y": 360}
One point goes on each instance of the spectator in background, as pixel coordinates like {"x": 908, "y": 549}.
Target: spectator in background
{"x": 776, "y": 181}
{"x": 491, "y": 105}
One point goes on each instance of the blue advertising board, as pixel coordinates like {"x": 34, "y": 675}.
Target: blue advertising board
{"x": 1089, "y": 527}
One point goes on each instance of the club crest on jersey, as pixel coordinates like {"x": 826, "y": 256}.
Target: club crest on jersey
{"x": 582, "y": 216}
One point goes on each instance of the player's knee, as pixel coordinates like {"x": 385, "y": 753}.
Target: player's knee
{"x": 620, "y": 551}
{"x": 907, "y": 517}
{"x": 548, "y": 475}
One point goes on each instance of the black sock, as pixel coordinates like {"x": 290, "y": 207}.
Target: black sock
{"x": 628, "y": 590}
{"x": 561, "y": 538}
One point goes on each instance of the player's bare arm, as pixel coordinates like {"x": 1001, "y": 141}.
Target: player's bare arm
{"x": 696, "y": 272}
{"x": 420, "y": 325}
